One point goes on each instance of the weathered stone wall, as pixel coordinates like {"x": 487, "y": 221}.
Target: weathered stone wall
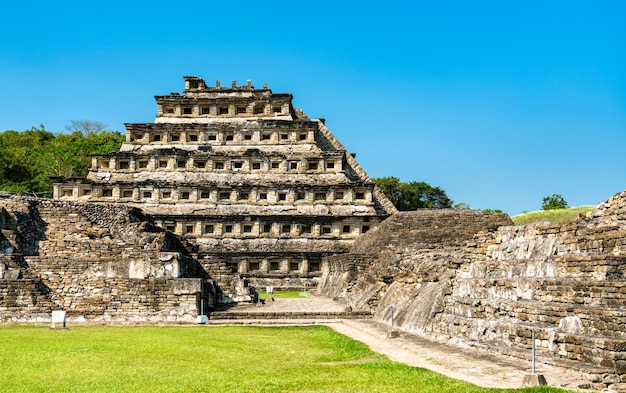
{"x": 96, "y": 261}
{"x": 411, "y": 246}
{"x": 459, "y": 278}
{"x": 340, "y": 272}
{"x": 108, "y": 300}
{"x": 24, "y": 296}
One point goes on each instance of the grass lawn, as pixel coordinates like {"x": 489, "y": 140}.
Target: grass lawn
{"x": 206, "y": 359}
{"x": 282, "y": 295}
{"x": 556, "y": 215}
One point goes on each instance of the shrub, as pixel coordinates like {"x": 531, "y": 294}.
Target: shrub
{"x": 554, "y": 201}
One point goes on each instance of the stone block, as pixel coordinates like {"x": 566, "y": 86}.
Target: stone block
{"x": 617, "y": 387}
{"x": 534, "y": 380}
{"x": 12, "y": 274}
{"x": 186, "y": 286}
{"x": 620, "y": 366}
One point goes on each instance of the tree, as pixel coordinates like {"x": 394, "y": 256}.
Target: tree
{"x": 554, "y": 201}
{"x": 413, "y": 195}
{"x": 390, "y": 186}
{"x": 22, "y": 155}
{"x": 28, "y": 159}
{"x": 86, "y": 127}
{"x": 70, "y": 155}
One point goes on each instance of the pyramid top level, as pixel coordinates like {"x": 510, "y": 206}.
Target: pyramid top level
{"x": 200, "y": 103}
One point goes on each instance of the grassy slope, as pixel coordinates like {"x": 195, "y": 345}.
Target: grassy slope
{"x": 556, "y": 215}
{"x": 206, "y": 359}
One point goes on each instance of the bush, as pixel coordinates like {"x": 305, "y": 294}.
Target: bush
{"x": 555, "y": 201}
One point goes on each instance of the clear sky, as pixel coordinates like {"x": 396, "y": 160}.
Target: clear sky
{"x": 499, "y": 103}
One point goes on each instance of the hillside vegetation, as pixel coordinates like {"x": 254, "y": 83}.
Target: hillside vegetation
{"x": 554, "y": 215}
{"x": 28, "y": 159}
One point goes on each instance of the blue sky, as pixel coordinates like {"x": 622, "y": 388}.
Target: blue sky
{"x": 498, "y": 103}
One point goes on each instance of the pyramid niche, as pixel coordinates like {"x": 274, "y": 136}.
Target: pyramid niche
{"x": 262, "y": 191}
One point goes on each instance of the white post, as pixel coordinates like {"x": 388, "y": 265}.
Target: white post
{"x": 202, "y": 319}
{"x": 392, "y": 333}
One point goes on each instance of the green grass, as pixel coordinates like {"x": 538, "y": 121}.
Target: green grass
{"x": 556, "y": 215}
{"x": 206, "y": 359}
{"x": 282, "y": 295}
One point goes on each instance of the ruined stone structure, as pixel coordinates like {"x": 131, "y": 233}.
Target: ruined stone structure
{"x": 98, "y": 262}
{"x": 470, "y": 278}
{"x": 234, "y": 184}
{"x": 259, "y": 188}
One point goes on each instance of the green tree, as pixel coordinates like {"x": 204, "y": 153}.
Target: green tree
{"x": 413, "y": 195}
{"x": 70, "y": 155}
{"x": 554, "y": 201}
{"x": 22, "y": 154}
{"x": 28, "y": 159}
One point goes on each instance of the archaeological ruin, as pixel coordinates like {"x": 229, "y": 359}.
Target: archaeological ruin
{"x": 232, "y": 186}
{"x": 473, "y": 279}
{"x": 255, "y": 186}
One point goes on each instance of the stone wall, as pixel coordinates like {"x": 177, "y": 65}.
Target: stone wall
{"x": 98, "y": 262}
{"x": 410, "y": 246}
{"x": 30, "y": 296}
{"x": 109, "y": 300}
{"x": 473, "y": 279}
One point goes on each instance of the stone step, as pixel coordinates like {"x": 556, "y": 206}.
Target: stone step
{"x": 243, "y": 315}
{"x": 270, "y": 322}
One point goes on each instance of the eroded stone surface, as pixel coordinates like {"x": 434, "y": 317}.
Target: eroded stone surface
{"x": 490, "y": 286}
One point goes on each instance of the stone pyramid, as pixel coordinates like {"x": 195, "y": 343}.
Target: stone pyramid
{"x": 259, "y": 189}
